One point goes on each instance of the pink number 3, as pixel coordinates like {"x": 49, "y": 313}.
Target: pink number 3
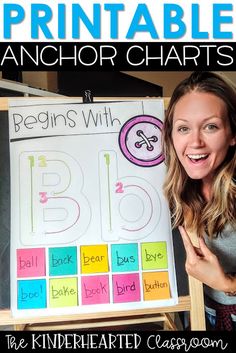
{"x": 43, "y": 197}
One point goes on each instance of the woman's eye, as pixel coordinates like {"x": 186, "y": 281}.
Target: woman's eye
{"x": 183, "y": 129}
{"x": 211, "y": 127}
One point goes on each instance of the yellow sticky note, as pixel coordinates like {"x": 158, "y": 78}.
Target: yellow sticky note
{"x": 94, "y": 258}
{"x": 63, "y": 292}
{"x": 156, "y": 285}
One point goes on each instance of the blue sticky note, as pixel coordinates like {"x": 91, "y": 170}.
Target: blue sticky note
{"x": 31, "y": 294}
{"x": 63, "y": 261}
{"x": 124, "y": 257}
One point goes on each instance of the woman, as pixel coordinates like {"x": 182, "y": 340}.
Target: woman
{"x": 199, "y": 145}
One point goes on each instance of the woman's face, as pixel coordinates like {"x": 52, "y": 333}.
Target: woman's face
{"x": 201, "y": 134}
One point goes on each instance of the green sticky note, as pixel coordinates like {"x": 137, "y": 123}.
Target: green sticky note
{"x": 154, "y": 256}
{"x": 63, "y": 292}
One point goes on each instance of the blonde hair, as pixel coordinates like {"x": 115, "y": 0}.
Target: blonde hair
{"x": 186, "y": 202}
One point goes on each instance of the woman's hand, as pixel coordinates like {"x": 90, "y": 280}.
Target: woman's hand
{"x": 203, "y": 265}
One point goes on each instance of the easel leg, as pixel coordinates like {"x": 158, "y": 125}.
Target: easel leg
{"x": 169, "y": 324}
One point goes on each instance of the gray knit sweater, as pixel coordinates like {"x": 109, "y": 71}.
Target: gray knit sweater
{"x": 224, "y": 247}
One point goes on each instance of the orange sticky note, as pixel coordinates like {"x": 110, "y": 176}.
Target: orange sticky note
{"x": 94, "y": 258}
{"x": 156, "y": 285}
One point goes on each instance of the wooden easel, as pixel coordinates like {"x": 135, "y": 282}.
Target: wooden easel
{"x": 193, "y": 303}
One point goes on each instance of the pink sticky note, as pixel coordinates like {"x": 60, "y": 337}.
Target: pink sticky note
{"x": 126, "y": 288}
{"x": 95, "y": 290}
{"x": 31, "y": 262}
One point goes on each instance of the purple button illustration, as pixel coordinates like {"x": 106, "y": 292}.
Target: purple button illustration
{"x": 140, "y": 140}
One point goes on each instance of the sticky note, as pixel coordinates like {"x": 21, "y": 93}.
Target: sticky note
{"x": 126, "y": 288}
{"x": 63, "y": 261}
{"x": 94, "y": 258}
{"x": 31, "y": 262}
{"x": 63, "y": 292}
{"x": 124, "y": 257}
{"x": 31, "y": 294}
{"x": 154, "y": 256}
{"x": 156, "y": 285}
{"x": 95, "y": 289}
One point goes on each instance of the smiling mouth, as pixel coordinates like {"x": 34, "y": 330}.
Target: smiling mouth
{"x": 195, "y": 158}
